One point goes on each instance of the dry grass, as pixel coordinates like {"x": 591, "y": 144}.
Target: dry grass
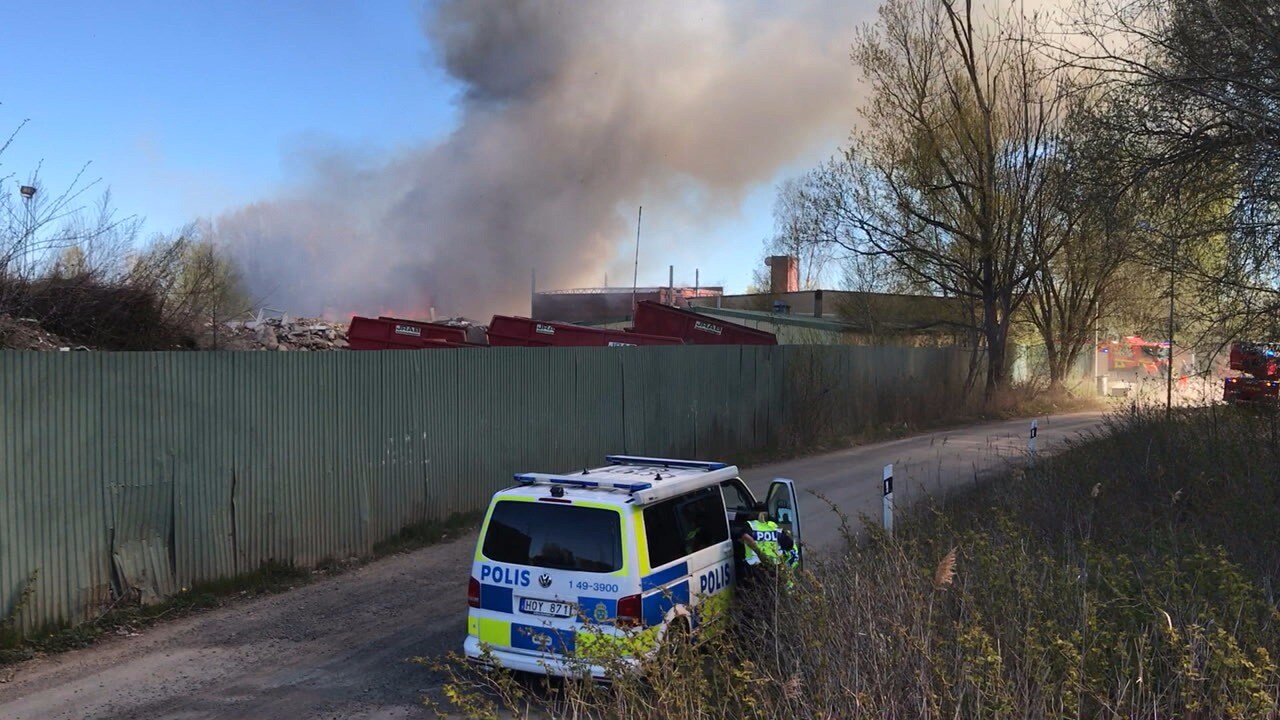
{"x": 946, "y": 571}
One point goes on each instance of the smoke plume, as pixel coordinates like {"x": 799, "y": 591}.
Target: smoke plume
{"x": 573, "y": 113}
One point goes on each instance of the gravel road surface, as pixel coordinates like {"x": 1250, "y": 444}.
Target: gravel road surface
{"x": 338, "y": 648}
{"x": 923, "y": 465}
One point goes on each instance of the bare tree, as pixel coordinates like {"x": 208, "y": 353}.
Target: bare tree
{"x": 37, "y": 226}
{"x": 73, "y": 267}
{"x": 41, "y": 228}
{"x": 794, "y": 229}
{"x": 952, "y": 161}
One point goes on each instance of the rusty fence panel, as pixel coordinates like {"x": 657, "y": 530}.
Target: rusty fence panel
{"x": 149, "y": 472}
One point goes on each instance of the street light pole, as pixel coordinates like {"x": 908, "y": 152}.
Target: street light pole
{"x": 28, "y": 192}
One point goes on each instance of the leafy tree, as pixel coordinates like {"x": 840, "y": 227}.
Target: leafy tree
{"x": 1200, "y": 81}
{"x": 1093, "y": 216}
{"x": 953, "y": 161}
{"x": 196, "y": 280}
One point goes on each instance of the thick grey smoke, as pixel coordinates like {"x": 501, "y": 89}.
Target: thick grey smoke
{"x": 573, "y": 114}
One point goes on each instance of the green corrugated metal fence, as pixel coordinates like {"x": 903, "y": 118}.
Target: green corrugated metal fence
{"x": 158, "y": 470}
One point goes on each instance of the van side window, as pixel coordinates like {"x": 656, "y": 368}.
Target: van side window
{"x": 704, "y": 521}
{"x": 684, "y": 525}
{"x": 662, "y": 529}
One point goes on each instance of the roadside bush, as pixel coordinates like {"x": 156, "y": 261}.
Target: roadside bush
{"x": 1129, "y": 577}
{"x": 94, "y": 313}
{"x": 161, "y": 301}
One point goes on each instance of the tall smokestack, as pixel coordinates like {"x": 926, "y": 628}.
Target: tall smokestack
{"x": 784, "y": 274}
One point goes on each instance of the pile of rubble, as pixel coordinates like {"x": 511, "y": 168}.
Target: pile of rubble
{"x": 281, "y": 333}
{"x": 26, "y": 334}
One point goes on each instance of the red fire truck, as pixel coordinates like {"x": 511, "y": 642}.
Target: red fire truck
{"x": 1260, "y": 363}
{"x": 1130, "y": 361}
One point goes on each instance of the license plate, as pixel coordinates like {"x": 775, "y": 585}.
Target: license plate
{"x": 549, "y": 608}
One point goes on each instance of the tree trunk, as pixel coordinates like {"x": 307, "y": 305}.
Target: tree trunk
{"x": 993, "y": 332}
{"x": 997, "y": 310}
{"x": 996, "y": 371}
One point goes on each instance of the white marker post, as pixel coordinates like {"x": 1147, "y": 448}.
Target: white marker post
{"x": 888, "y": 498}
{"x": 1031, "y": 439}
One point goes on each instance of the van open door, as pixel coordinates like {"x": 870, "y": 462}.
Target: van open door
{"x": 784, "y": 507}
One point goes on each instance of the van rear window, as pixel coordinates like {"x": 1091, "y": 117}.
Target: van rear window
{"x": 559, "y": 537}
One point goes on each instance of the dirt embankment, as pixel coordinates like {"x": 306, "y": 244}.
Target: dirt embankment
{"x": 26, "y": 334}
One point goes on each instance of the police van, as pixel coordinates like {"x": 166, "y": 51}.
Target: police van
{"x": 614, "y": 556}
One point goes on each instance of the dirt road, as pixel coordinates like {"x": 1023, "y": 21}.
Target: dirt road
{"x": 338, "y": 648}
{"x": 923, "y": 465}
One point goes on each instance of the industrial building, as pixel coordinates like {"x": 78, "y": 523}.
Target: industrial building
{"x": 603, "y": 305}
{"x": 795, "y": 316}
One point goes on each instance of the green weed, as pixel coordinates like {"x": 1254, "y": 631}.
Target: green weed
{"x": 417, "y": 535}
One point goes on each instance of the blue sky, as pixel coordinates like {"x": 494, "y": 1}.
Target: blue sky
{"x": 187, "y": 109}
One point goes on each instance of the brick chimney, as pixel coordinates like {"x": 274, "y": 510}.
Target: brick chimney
{"x": 784, "y": 274}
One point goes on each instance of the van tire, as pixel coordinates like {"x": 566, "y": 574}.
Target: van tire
{"x": 679, "y": 627}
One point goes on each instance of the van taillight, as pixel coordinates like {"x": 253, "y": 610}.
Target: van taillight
{"x": 473, "y": 593}
{"x": 629, "y": 613}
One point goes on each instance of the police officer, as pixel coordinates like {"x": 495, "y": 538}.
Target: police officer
{"x": 767, "y": 546}
{"x": 767, "y": 551}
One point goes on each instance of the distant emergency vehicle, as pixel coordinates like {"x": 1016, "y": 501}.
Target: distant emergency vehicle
{"x": 1130, "y": 361}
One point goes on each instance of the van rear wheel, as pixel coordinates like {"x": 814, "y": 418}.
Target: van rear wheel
{"x": 677, "y": 638}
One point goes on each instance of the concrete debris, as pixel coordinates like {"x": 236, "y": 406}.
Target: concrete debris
{"x": 477, "y": 333}
{"x": 278, "y": 334}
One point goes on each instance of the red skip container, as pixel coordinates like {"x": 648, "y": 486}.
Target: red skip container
{"x": 386, "y": 333}
{"x": 508, "y": 331}
{"x": 695, "y": 328}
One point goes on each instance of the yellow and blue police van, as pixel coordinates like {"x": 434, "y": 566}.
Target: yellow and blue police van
{"x": 614, "y": 556}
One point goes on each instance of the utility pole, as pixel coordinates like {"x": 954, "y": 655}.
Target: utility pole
{"x": 1096, "y": 341}
{"x": 636, "y": 272}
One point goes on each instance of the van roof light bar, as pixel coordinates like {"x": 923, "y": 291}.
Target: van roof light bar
{"x": 664, "y": 462}
{"x": 549, "y": 479}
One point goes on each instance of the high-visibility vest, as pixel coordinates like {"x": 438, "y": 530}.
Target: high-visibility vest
{"x": 766, "y": 534}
